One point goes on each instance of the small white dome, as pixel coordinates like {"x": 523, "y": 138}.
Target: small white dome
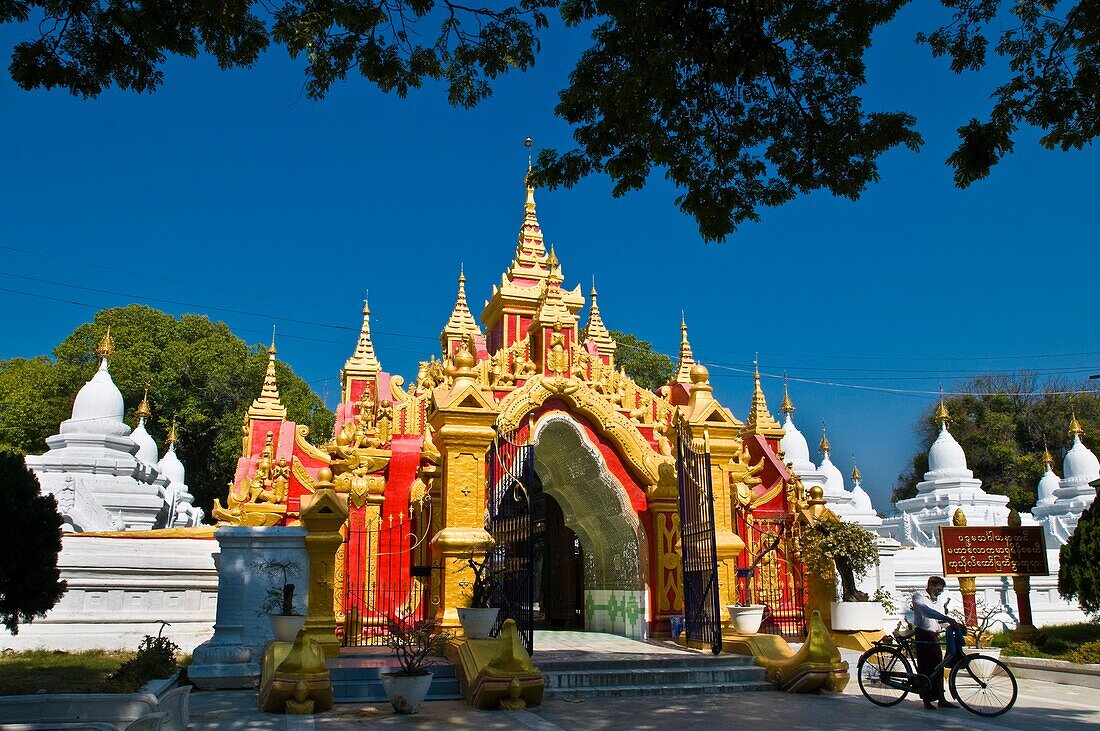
{"x": 1048, "y": 483}
{"x": 147, "y": 448}
{"x": 834, "y": 480}
{"x": 171, "y": 467}
{"x": 795, "y": 447}
{"x": 1080, "y": 464}
{"x": 99, "y": 398}
{"x": 946, "y": 458}
{"x": 861, "y": 500}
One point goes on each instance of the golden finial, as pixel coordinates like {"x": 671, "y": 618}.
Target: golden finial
{"x": 143, "y": 411}
{"x": 172, "y": 436}
{"x": 856, "y": 476}
{"x": 959, "y": 518}
{"x": 1075, "y": 426}
{"x": 941, "y": 414}
{"x": 268, "y": 405}
{"x": 461, "y": 322}
{"x": 1048, "y": 457}
{"x": 363, "y": 362}
{"x": 686, "y": 359}
{"x": 106, "y": 347}
{"x": 528, "y": 143}
{"x": 760, "y": 421}
{"x": 824, "y": 444}
{"x": 552, "y": 260}
{"x": 787, "y": 407}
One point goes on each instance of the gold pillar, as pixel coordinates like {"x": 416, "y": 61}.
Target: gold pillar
{"x": 664, "y": 504}
{"x": 323, "y": 518}
{"x": 729, "y": 545}
{"x": 463, "y": 421}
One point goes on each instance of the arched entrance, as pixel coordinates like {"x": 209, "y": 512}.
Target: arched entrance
{"x": 593, "y": 507}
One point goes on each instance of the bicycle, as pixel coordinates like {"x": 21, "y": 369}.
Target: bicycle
{"x": 981, "y": 684}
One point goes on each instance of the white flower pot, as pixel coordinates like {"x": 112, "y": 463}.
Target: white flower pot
{"x": 746, "y": 620}
{"x": 857, "y": 616}
{"x": 406, "y": 692}
{"x": 285, "y": 627}
{"x": 477, "y": 622}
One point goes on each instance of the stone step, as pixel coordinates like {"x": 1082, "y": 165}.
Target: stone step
{"x": 629, "y": 691}
{"x": 684, "y": 660}
{"x": 361, "y": 682}
{"x": 645, "y": 676}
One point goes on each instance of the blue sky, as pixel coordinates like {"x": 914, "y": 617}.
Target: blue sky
{"x": 231, "y": 190}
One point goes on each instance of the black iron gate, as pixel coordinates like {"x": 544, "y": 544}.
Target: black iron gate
{"x": 387, "y": 574}
{"x": 699, "y": 553}
{"x": 512, "y": 494}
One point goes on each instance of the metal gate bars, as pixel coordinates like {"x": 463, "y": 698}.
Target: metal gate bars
{"x": 511, "y": 496}
{"x": 387, "y": 574}
{"x": 699, "y": 553}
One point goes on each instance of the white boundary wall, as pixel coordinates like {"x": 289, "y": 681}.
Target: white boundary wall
{"x": 120, "y": 588}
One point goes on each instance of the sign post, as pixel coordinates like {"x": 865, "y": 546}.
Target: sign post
{"x": 972, "y": 551}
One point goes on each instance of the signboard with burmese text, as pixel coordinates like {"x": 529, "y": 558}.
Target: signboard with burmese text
{"x": 993, "y": 551}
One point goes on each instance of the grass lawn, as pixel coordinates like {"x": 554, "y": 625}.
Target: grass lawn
{"x": 23, "y": 673}
{"x": 1073, "y": 642}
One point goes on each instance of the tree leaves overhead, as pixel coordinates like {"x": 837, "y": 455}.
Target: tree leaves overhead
{"x": 742, "y": 105}
{"x": 1053, "y": 52}
{"x": 198, "y": 372}
{"x": 1003, "y": 431}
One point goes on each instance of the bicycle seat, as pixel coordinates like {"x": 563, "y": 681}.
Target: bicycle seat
{"x": 905, "y": 632}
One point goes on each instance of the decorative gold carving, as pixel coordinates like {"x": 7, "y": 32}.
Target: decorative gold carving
{"x": 258, "y": 500}
{"x": 610, "y": 423}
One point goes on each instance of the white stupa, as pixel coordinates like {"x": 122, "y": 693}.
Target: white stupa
{"x": 948, "y": 486}
{"x": 862, "y": 510}
{"x": 795, "y": 448}
{"x": 182, "y": 513}
{"x": 1059, "y": 509}
{"x": 837, "y": 498}
{"x": 92, "y": 466}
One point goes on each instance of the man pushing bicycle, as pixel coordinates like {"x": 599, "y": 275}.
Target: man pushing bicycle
{"x": 930, "y": 618}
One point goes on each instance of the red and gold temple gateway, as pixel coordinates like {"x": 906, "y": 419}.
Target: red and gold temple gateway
{"x": 414, "y": 466}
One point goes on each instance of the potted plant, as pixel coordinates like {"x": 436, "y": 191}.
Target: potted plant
{"x": 847, "y": 551}
{"x": 978, "y": 637}
{"x": 479, "y": 618}
{"x": 745, "y": 617}
{"x": 278, "y": 603}
{"x": 413, "y": 643}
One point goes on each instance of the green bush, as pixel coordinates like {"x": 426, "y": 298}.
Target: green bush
{"x": 156, "y": 658}
{"x": 1086, "y": 653}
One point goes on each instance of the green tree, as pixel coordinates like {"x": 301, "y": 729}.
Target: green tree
{"x": 30, "y": 583}
{"x": 742, "y": 105}
{"x": 1078, "y": 570}
{"x": 647, "y": 367}
{"x": 1003, "y": 429}
{"x": 197, "y": 371}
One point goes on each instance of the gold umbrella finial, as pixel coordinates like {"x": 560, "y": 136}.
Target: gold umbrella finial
{"x": 143, "y": 411}
{"x": 106, "y": 347}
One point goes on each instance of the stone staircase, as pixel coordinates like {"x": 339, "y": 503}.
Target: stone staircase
{"x": 686, "y": 674}
{"x": 358, "y": 679}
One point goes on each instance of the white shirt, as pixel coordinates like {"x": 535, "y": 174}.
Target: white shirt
{"x": 928, "y": 612}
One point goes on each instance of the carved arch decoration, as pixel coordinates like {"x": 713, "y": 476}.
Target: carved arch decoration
{"x": 605, "y": 419}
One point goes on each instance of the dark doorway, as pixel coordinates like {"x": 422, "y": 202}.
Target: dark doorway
{"x": 561, "y": 588}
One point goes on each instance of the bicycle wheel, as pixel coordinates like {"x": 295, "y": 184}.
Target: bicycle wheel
{"x": 880, "y": 669}
{"x": 983, "y": 685}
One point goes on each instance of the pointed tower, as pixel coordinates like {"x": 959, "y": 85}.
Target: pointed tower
{"x": 834, "y": 479}
{"x": 267, "y": 406}
{"x": 796, "y": 449}
{"x": 554, "y": 326}
{"x": 686, "y": 360}
{"x": 362, "y": 368}
{"x": 508, "y": 313}
{"x": 597, "y": 332}
{"x": 862, "y": 511}
{"x": 147, "y": 448}
{"x": 461, "y": 323}
{"x": 760, "y": 420}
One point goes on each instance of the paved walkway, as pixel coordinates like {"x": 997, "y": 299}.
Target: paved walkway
{"x": 1040, "y": 706}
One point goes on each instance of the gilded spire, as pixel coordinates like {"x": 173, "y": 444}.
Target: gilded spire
{"x": 363, "y": 362}
{"x": 143, "y": 411}
{"x": 1075, "y": 429}
{"x": 824, "y": 446}
{"x": 787, "y": 407}
{"x": 106, "y": 347}
{"x": 173, "y": 437}
{"x": 1048, "y": 457}
{"x": 686, "y": 360}
{"x": 856, "y": 476}
{"x": 760, "y": 420}
{"x": 461, "y": 322}
{"x": 941, "y": 414}
{"x": 268, "y": 405}
{"x": 598, "y": 332}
